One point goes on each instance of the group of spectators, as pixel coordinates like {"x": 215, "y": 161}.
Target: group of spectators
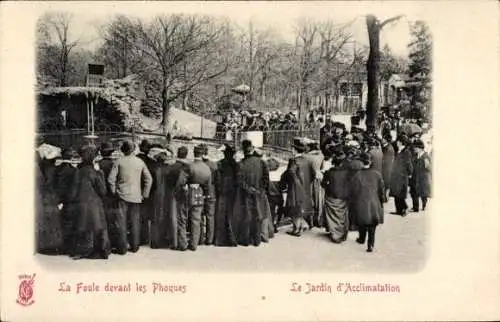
{"x": 115, "y": 198}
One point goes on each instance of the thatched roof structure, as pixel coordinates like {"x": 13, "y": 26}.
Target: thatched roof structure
{"x": 123, "y": 95}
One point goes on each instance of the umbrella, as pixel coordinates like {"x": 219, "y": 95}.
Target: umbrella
{"x": 411, "y": 129}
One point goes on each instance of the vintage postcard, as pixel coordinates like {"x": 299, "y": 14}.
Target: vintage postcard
{"x": 246, "y": 161}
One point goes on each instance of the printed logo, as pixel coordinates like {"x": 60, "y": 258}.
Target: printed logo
{"x": 25, "y": 294}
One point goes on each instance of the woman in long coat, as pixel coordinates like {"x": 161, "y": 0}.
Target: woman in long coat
{"x": 164, "y": 205}
{"x": 336, "y": 211}
{"x": 65, "y": 177}
{"x": 292, "y": 181}
{"x": 48, "y": 233}
{"x": 225, "y": 189}
{"x": 366, "y": 196}
{"x": 402, "y": 169}
{"x": 422, "y": 174}
{"x": 317, "y": 192}
{"x": 89, "y": 189}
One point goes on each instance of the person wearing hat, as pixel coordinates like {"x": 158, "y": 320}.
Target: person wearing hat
{"x": 225, "y": 190}
{"x": 316, "y": 158}
{"x": 49, "y": 233}
{"x": 308, "y": 174}
{"x": 335, "y": 203}
{"x": 170, "y": 204}
{"x": 65, "y": 179}
{"x": 366, "y": 197}
{"x": 88, "y": 191}
{"x": 208, "y": 211}
{"x": 251, "y": 205}
{"x": 106, "y": 150}
{"x": 402, "y": 169}
{"x": 292, "y": 181}
{"x": 421, "y": 176}
{"x": 131, "y": 181}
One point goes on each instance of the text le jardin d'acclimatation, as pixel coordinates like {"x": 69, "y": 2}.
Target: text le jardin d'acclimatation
{"x": 166, "y": 288}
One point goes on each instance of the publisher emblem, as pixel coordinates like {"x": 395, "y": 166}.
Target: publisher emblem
{"x": 25, "y": 294}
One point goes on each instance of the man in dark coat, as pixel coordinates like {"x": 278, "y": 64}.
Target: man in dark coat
{"x": 366, "y": 196}
{"x": 402, "y": 169}
{"x": 251, "y": 206}
{"x": 200, "y": 193}
{"x": 208, "y": 217}
{"x": 307, "y": 170}
{"x": 225, "y": 188}
{"x": 421, "y": 175}
{"x": 388, "y": 151}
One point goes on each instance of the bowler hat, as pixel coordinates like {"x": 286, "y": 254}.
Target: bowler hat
{"x": 107, "y": 146}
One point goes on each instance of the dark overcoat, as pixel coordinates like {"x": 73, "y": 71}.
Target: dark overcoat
{"x": 292, "y": 180}
{"x": 88, "y": 191}
{"x": 377, "y": 159}
{"x": 308, "y": 176}
{"x": 225, "y": 189}
{"x": 422, "y": 175}
{"x": 387, "y": 164}
{"x": 251, "y": 206}
{"x": 402, "y": 169}
{"x": 366, "y": 196}
{"x": 167, "y": 199}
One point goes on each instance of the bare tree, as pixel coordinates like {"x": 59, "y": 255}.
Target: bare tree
{"x": 59, "y": 24}
{"x": 172, "y": 40}
{"x": 119, "y": 51}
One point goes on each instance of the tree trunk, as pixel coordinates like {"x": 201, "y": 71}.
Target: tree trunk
{"x": 372, "y": 68}
{"x": 165, "y": 107}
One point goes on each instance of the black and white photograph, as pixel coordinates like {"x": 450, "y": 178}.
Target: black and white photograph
{"x": 274, "y": 154}
{"x": 195, "y": 132}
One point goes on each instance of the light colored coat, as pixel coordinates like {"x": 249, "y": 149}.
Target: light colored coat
{"x": 126, "y": 176}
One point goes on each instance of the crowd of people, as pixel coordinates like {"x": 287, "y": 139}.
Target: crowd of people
{"x": 117, "y": 198}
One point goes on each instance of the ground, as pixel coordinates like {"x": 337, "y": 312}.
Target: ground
{"x": 401, "y": 246}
